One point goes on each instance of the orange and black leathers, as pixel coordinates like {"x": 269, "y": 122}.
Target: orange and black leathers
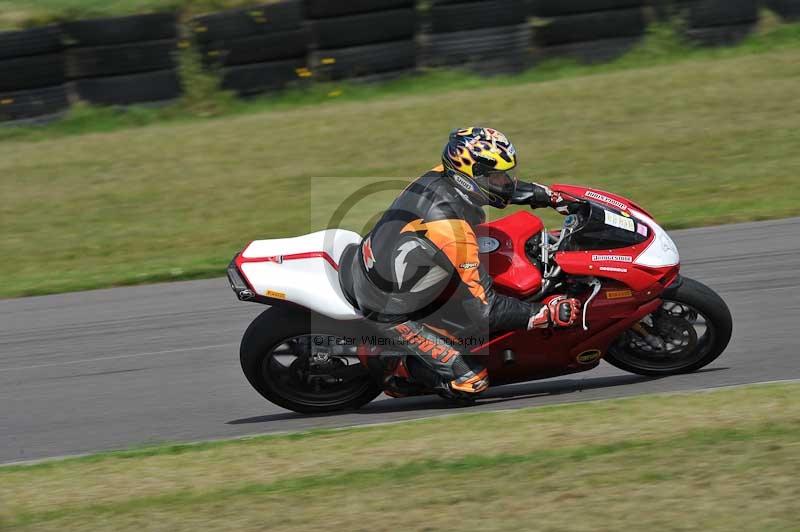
{"x": 423, "y": 254}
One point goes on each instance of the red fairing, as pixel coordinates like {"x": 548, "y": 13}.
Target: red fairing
{"x": 630, "y": 292}
{"x": 614, "y": 264}
{"x": 513, "y": 273}
{"x": 601, "y": 196}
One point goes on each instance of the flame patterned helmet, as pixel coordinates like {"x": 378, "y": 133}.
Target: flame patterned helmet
{"x": 478, "y": 160}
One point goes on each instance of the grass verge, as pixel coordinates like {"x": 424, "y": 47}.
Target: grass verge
{"x": 710, "y": 138}
{"x": 712, "y": 461}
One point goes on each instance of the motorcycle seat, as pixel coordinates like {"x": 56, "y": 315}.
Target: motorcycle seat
{"x": 303, "y": 270}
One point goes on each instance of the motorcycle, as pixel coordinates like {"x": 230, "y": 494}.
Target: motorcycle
{"x": 309, "y": 351}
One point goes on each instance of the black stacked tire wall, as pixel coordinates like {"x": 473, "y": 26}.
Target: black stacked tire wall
{"x": 131, "y": 89}
{"x": 255, "y": 78}
{"x": 446, "y": 18}
{"x": 558, "y": 8}
{"x": 592, "y": 27}
{"x": 120, "y": 30}
{"x": 316, "y": 9}
{"x": 487, "y": 51}
{"x": 368, "y": 28}
{"x": 36, "y": 41}
{"x": 787, "y": 9}
{"x": 710, "y": 22}
{"x": 376, "y": 41}
{"x": 360, "y": 61}
{"x": 486, "y": 36}
{"x": 259, "y": 20}
{"x": 720, "y": 22}
{"x": 33, "y": 103}
{"x": 590, "y": 36}
{"x": 103, "y": 61}
{"x": 31, "y": 74}
{"x": 124, "y": 60}
{"x": 257, "y": 49}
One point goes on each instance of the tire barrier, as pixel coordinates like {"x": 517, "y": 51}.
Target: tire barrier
{"x": 365, "y": 28}
{"x": 449, "y": 17}
{"x": 588, "y": 36}
{"x": 258, "y": 48}
{"x": 788, "y": 10}
{"x": 133, "y": 88}
{"x": 554, "y": 8}
{"x": 489, "y": 37}
{"x": 377, "y": 40}
{"x": 130, "y": 60}
{"x": 488, "y": 51}
{"x": 589, "y": 52}
{"x": 123, "y": 60}
{"x": 248, "y": 80}
{"x": 33, "y": 104}
{"x": 32, "y": 74}
{"x": 258, "y": 20}
{"x": 711, "y": 22}
{"x": 36, "y": 41}
{"x": 316, "y": 9}
{"x": 120, "y": 30}
{"x": 367, "y": 60}
{"x": 591, "y": 27}
{"x": 255, "y": 49}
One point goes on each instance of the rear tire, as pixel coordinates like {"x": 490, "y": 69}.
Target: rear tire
{"x": 708, "y": 347}
{"x": 270, "y": 330}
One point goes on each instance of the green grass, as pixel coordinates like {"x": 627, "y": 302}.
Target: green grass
{"x": 708, "y": 461}
{"x": 108, "y": 198}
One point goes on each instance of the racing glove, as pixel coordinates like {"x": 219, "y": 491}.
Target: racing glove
{"x": 539, "y": 196}
{"x": 556, "y": 311}
{"x": 532, "y": 194}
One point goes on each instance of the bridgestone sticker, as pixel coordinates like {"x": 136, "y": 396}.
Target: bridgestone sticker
{"x": 615, "y": 220}
{"x": 605, "y": 199}
{"x": 611, "y": 258}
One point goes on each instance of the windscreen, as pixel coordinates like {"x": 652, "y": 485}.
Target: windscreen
{"x": 603, "y": 228}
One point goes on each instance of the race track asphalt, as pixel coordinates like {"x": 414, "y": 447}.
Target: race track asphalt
{"x": 115, "y": 368}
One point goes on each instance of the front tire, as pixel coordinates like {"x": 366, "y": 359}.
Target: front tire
{"x": 280, "y": 360}
{"x": 690, "y": 330}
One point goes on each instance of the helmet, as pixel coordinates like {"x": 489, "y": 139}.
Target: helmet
{"x": 478, "y": 161}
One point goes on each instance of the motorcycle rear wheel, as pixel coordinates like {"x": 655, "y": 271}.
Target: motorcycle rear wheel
{"x": 690, "y": 330}
{"x": 287, "y": 355}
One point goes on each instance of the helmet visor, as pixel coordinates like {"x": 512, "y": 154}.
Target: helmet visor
{"x": 499, "y": 182}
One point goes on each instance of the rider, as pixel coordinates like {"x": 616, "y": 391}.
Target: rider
{"x": 422, "y": 257}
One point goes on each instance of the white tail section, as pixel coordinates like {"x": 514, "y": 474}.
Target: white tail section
{"x": 303, "y": 270}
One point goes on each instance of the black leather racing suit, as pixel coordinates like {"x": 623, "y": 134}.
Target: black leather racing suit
{"x": 418, "y": 275}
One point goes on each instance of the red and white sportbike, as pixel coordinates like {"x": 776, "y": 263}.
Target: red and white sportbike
{"x": 311, "y": 351}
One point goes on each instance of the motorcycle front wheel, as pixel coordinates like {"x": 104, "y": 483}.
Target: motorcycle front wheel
{"x": 689, "y": 331}
{"x": 305, "y": 362}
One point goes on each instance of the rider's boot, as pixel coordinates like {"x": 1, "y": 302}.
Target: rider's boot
{"x": 399, "y": 382}
{"x": 450, "y": 373}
